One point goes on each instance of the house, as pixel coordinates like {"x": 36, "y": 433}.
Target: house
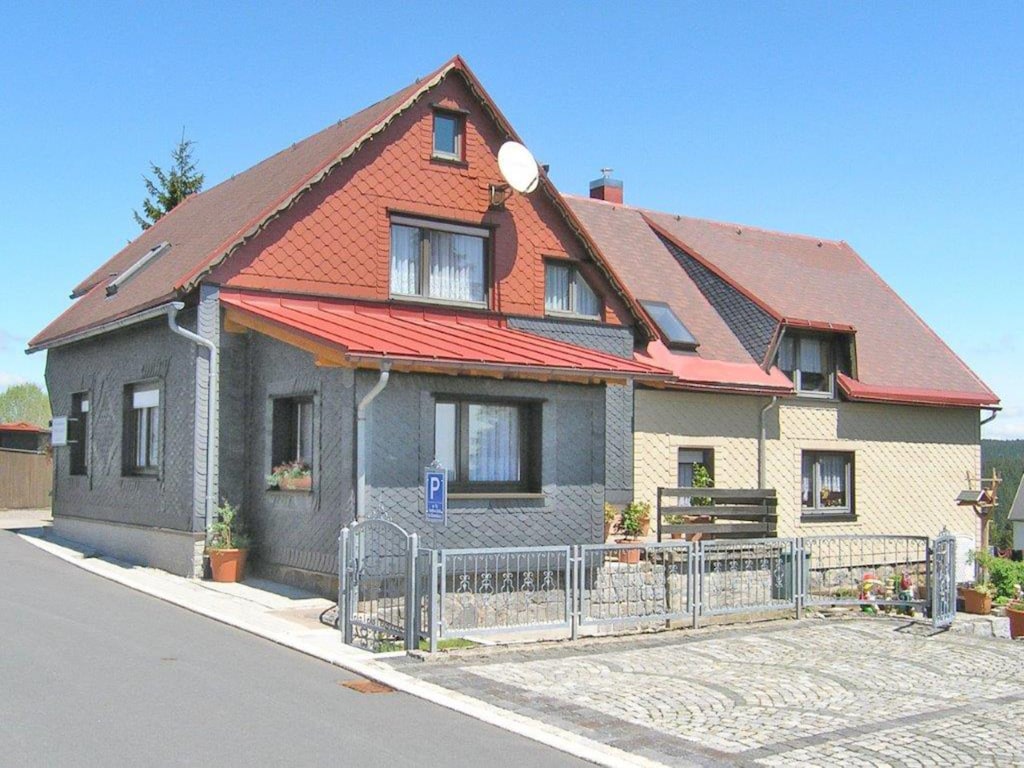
{"x": 1016, "y": 518}
{"x": 367, "y": 302}
{"x": 796, "y": 369}
{"x": 356, "y": 307}
{"x": 22, "y": 436}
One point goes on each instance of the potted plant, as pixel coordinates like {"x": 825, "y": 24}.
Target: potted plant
{"x": 227, "y": 547}
{"x": 1015, "y": 612}
{"x": 978, "y": 598}
{"x": 610, "y": 513}
{"x": 291, "y": 476}
{"x": 632, "y": 524}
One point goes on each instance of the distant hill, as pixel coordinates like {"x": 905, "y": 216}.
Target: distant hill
{"x": 1007, "y": 458}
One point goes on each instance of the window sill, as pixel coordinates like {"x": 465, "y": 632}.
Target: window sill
{"x": 137, "y": 476}
{"x": 458, "y": 162}
{"x": 554, "y": 314}
{"x": 496, "y": 495}
{"x": 828, "y": 517}
{"x": 413, "y": 299}
{"x": 289, "y": 490}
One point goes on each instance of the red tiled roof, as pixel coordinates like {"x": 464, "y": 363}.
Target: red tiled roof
{"x": 22, "y": 426}
{"x": 428, "y": 338}
{"x": 800, "y": 281}
{"x": 206, "y": 225}
{"x": 856, "y": 390}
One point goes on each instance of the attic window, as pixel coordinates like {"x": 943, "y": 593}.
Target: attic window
{"x": 448, "y": 135}
{"x": 811, "y": 361}
{"x": 147, "y": 257}
{"x": 677, "y": 335}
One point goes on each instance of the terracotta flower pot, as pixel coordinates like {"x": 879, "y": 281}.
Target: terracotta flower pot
{"x": 304, "y": 483}
{"x": 1016, "y": 615}
{"x": 631, "y": 555}
{"x": 228, "y": 565}
{"x": 976, "y": 602}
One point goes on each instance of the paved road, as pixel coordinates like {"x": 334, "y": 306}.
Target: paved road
{"x": 850, "y": 693}
{"x": 93, "y": 674}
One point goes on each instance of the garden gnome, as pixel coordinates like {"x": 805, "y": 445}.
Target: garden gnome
{"x": 868, "y": 583}
{"x": 906, "y": 593}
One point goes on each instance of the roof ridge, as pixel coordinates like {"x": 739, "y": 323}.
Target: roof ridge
{"x": 714, "y": 222}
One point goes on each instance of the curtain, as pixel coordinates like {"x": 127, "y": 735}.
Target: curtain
{"x": 493, "y": 443}
{"x": 304, "y": 432}
{"x": 832, "y": 471}
{"x": 787, "y": 354}
{"x": 807, "y": 481}
{"x": 811, "y": 356}
{"x": 405, "y": 260}
{"x": 556, "y": 288}
{"x": 444, "y": 438}
{"x": 154, "y": 436}
{"x": 586, "y": 302}
{"x": 456, "y": 267}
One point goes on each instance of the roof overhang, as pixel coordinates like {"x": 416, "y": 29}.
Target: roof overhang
{"x": 412, "y": 338}
{"x": 133, "y": 317}
{"x": 873, "y": 393}
{"x": 694, "y": 373}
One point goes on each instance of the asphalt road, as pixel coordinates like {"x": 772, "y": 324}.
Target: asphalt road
{"x": 94, "y": 674}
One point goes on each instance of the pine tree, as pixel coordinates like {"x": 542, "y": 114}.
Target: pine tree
{"x": 170, "y": 187}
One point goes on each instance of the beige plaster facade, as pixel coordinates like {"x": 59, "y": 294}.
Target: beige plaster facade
{"x": 909, "y": 462}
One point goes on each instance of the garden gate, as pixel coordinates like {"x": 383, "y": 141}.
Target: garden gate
{"x": 376, "y": 595}
{"x": 943, "y": 579}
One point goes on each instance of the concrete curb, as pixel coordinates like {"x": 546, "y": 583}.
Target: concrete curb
{"x": 358, "y": 662}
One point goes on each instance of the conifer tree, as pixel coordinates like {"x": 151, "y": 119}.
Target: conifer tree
{"x": 170, "y": 187}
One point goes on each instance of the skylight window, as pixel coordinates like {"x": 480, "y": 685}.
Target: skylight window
{"x": 677, "y": 336}
{"x": 145, "y": 259}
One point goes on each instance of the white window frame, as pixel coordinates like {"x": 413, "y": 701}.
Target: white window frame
{"x": 817, "y": 509}
{"x": 575, "y": 277}
{"x": 796, "y": 375}
{"x": 425, "y": 226}
{"x": 459, "y": 122}
{"x": 146, "y": 425}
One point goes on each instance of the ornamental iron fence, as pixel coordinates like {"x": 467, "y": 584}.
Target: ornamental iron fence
{"x": 393, "y": 594}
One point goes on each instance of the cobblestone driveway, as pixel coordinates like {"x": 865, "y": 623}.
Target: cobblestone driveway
{"x": 850, "y": 693}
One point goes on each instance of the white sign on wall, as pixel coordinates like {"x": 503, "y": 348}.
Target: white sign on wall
{"x": 59, "y": 430}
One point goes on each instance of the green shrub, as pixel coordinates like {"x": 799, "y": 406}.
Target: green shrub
{"x": 1003, "y": 574}
{"x": 633, "y": 518}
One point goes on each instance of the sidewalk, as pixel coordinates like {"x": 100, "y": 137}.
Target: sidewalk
{"x": 17, "y": 519}
{"x": 291, "y": 618}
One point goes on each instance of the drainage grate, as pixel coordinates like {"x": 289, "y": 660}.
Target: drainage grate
{"x": 366, "y": 686}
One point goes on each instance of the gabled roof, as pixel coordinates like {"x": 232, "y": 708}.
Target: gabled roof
{"x": 755, "y": 276}
{"x": 207, "y": 227}
{"x": 350, "y": 333}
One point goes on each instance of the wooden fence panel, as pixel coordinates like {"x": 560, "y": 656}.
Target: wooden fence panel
{"x": 25, "y": 480}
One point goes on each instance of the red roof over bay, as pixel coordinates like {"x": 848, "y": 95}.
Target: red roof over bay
{"x": 419, "y": 338}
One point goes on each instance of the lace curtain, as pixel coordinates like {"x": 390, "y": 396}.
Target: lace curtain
{"x": 493, "y": 443}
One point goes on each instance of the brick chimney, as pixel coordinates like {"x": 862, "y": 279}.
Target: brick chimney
{"x": 606, "y": 188}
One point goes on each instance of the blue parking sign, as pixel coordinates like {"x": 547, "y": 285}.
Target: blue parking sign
{"x": 436, "y": 485}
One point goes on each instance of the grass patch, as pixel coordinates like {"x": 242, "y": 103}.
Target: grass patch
{"x": 390, "y": 646}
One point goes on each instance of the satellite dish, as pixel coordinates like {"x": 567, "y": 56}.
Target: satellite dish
{"x": 518, "y": 167}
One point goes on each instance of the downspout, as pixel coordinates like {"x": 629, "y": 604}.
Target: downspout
{"x": 364, "y": 404}
{"x": 172, "y": 320}
{"x": 761, "y": 439}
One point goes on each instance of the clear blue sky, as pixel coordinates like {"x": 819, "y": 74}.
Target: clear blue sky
{"x": 897, "y": 127}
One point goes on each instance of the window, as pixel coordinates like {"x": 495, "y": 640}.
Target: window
{"x": 827, "y": 483}
{"x": 808, "y": 360}
{"x": 438, "y": 261}
{"x": 677, "y": 335}
{"x": 488, "y": 446}
{"x": 695, "y": 469}
{"x": 566, "y": 292}
{"x": 142, "y": 429}
{"x": 78, "y": 434}
{"x": 292, "y": 432}
{"x": 448, "y": 133}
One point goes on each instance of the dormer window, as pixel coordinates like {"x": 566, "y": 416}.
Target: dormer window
{"x": 449, "y": 129}
{"x": 811, "y": 360}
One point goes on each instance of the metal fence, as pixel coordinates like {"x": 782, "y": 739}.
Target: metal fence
{"x": 561, "y": 590}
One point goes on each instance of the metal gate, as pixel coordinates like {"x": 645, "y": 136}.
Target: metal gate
{"x": 943, "y": 580}
{"x": 376, "y": 593}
